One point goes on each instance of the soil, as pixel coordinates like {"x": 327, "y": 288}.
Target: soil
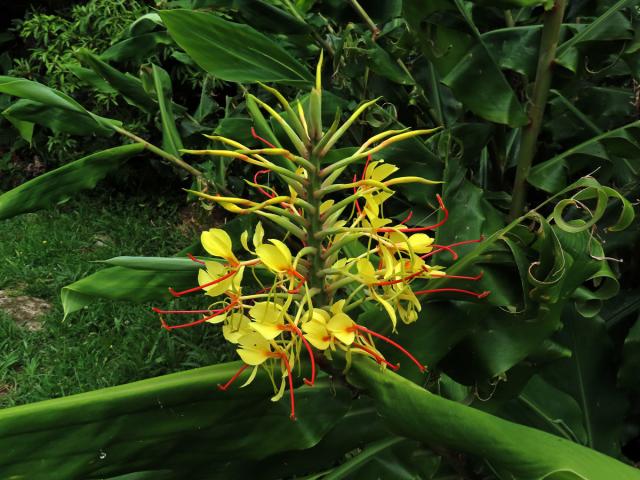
{"x": 26, "y": 311}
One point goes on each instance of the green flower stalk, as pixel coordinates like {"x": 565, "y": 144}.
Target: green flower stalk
{"x": 306, "y": 308}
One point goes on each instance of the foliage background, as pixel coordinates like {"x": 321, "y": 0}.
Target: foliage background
{"x": 556, "y": 350}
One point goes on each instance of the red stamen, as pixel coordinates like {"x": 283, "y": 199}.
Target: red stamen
{"x": 364, "y": 170}
{"x": 453, "y": 290}
{"x": 355, "y": 190}
{"x": 260, "y": 189}
{"x": 203, "y": 286}
{"x": 292, "y": 416}
{"x": 400, "y": 280}
{"x": 300, "y": 277}
{"x": 233, "y": 379}
{"x": 440, "y": 248}
{"x": 184, "y": 312}
{"x": 391, "y": 342}
{"x": 378, "y": 358}
{"x": 420, "y": 229}
{"x": 200, "y": 320}
{"x": 194, "y": 259}
{"x": 257, "y": 137}
{"x": 461, "y": 277}
{"x": 408, "y": 218}
{"x": 309, "y": 351}
{"x": 466, "y": 242}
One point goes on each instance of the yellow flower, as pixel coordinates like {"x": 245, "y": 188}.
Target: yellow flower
{"x": 236, "y": 327}
{"x": 218, "y": 243}
{"x": 254, "y": 349}
{"x": 316, "y": 331}
{"x": 269, "y": 319}
{"x": 276, "y": 257}
{"x": 418, "y": 242}
{"x": 215, "y": 279}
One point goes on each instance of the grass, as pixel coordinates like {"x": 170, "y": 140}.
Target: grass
{"x": 107, "y": 343}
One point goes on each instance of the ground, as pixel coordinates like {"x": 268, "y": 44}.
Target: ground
{"x": 43, "y": 356}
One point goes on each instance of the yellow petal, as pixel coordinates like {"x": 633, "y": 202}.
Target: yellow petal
{"x": 276, "y": 257}
{"x": 236, "y": 327}
{"x": 269, "y": 331}
{"x": 213, "y": 271}
{"x": 252, "y": 357}
{"x": 258, "y": 235}
{"x": 317, "y": 334}
{"x": 218, "y": 243}
{"x": 387, "y": 306}
{"x": 366, "y": 271}
{"x": 342, "y": 327}
{"x": 267, "y": 312}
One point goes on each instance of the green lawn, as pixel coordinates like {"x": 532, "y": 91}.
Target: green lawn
{"x": 107, "y": 343}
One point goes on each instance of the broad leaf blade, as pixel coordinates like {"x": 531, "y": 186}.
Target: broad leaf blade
{"x": 231, "y": 51}
{"x": 523, "y": 452}
{"x": 178, "y": 423}
{"x": 60, "y": 184}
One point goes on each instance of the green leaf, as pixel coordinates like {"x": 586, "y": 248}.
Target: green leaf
{"x": 628, "y": 374}
{"x": 127, "y": 85}
{"x": 522, "y": 452}
{"x": 158, "y": 264}
{"x": 60, "y": 184}
{"x": 55, "y": 100}
{"x": 589, "y": 377}
{"x": 171, "y": 140}
{"x": 232, "y": 51}
{"x": 137, "y": 48}
{"x": 58, "y": 120}
{"x": 178, "y": 423}
{"x": 462, "y": 58}
{"x": 596, "y": 30}
{"x": 551, "y": 175}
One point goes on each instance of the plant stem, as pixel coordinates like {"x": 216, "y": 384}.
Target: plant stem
{"x": 158, "y": 151}
{"x": 294, "y": 11}
{"x": 315, "y": 226}
{"x": 375, "y": 31}
{"x": 530, "y": 133}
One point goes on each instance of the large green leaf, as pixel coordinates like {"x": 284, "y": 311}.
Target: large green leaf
{"x": 463, "y": 58}
{"x": 60, "y": 184}
{"x": 515, "y": 450}
{"x": 621, "y": 143}
{"x": 233, "y": 51}
{"x": 54, "y": 100}
{"x": 171, "y": 141}
{"x": 628, "y": 374}
{"x": 176, "y": 426}
{"x": 589, "y": 377}
{"x": 142, "y": 279}
{"x": 127, "y": 85}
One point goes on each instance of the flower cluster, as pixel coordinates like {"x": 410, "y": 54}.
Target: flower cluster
{"x": 296, "y": 295}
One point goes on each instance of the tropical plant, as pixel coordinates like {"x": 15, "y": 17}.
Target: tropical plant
{"x": 516, "y": 380}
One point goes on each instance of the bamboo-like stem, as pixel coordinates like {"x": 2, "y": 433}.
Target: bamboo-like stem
{"x": 161, "y": 153}
{"x": 530, "y": 133}
{"x": 375, "y": 31}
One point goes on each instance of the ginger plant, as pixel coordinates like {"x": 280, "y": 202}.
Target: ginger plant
{"x": 315, "y": 285}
